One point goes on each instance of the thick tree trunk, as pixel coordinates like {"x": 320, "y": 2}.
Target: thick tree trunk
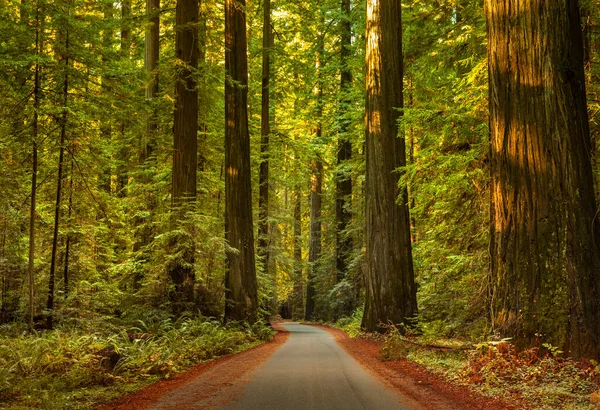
{"x": 545, "y": 237}
{"x": 265, "y": 130}
{"x": 344, "y": 153}
{"x": 241, "y": 299}
{"x": 390, "y": 285}
{"x": 59, "y": 186}
{"x": 185, "y": 139}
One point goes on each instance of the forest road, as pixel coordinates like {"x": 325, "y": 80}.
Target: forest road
{"x": 312, "y": 371}
{"x": 309, "y": 371}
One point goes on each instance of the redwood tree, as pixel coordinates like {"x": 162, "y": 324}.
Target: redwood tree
{"x": 344, "y": 153}
{"x": 185, "y": 138}
{"x": 241, "y": 300}
{"x": 390, "y": 285}
{"x": 545, "y": 236}
{"x": 265, "y": 130}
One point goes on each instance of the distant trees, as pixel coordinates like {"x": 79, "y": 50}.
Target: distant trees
{"x": 390, "y": 284}
{"x": 102, "y": 172}
{"x": 545, "y": 234}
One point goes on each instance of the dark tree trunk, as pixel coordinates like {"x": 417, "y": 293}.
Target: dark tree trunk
{"x": 265, "y": 130}
{"x": 314, "y": 252}
{"x": 545, "y": 238}
{"x": 152, "y": 49}
{"x": 241, "y": 299}
{"x": 390, "y": 285}
{"x": 68, "y": 240}
{"x": 344, "y": 153}
{"x": 34, "y": 166}
{"x": 104, "y": 177}
{"x": 59, "y": 185}
{"x": 298, "y": 305}
{"x": 122, "y": 176}
{"x": 185, "y": 139}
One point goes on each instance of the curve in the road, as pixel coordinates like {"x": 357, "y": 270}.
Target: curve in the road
{"x": 311, "y": 371}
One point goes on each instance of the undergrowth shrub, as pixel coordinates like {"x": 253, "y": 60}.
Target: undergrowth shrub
{"x": 351, "y": 324}
{"x": 539, "y": 377}
{"x": 52, "y": 369}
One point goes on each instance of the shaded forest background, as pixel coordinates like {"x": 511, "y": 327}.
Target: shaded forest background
{"x": 74, "y": 81}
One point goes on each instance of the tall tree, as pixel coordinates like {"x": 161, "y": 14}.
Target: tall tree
{"x": 298, "y": 303}
{"x": 34, "y": 161}
{"x": 265, "y": 130}
{"x": 344, "y": 149}
{"x": 545, "y": 236}
{"x": 152, "y": 49}
{"x": 241, "y": 298}
{"x": 390, "y": 285}
{"x": 185, "y": 144}
{"x": 316, "y": 188}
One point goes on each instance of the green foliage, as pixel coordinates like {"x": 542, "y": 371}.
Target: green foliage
{"x": 351, "y": 325}
{"x": 71, "y": 367}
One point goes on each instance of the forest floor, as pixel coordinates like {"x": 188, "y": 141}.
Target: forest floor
{"x": 217, "y": 383}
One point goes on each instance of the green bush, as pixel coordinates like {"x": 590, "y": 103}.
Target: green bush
{"x": 73, "y": 368}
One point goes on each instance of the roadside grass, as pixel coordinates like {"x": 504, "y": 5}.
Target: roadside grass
{"x": 534, "y": 378}
{"x": 74, "y": 367}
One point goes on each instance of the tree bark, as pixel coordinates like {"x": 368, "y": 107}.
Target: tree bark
{"x": 265, "y": 130}
{"x": 34, "y": 166}
{"x": 298, "y": 305}
{"x": 122, "y": 176}
{"x": 314, "y": 252}
{"x": 344, "y": 153}
{"x": 185, "y": 144}
{"x": 390, "y": 285}
{"x": 152, "y": 50}
{"x": 241, "y": 299}
{"x": 68, "y": 240}
{"x": 545, "y": 237}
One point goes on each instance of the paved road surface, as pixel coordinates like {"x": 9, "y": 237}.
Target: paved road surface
{"x": 311, "y": 371}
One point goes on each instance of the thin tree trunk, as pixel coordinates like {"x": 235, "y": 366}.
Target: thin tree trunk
{"x": 298, "y": 305}
{"x": 241, "y": 299}
{"x": 104, "y": 179}
{"x": 63, "y": 133}
{"x": 204, "y": 101}
{"x": 185, "y": 154}
{"x": 265, "y": 130}
{"x": 68, "y": 240}
{"x": 34, "y": 167}
{"x": 545, "y": 234}
{"x": 344, "y": 153}
{"x": 122, "y": 176}
{"x": 315, "y": 237}
{"x": 152, "y": 50}
{"x": 391, "y": 289}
